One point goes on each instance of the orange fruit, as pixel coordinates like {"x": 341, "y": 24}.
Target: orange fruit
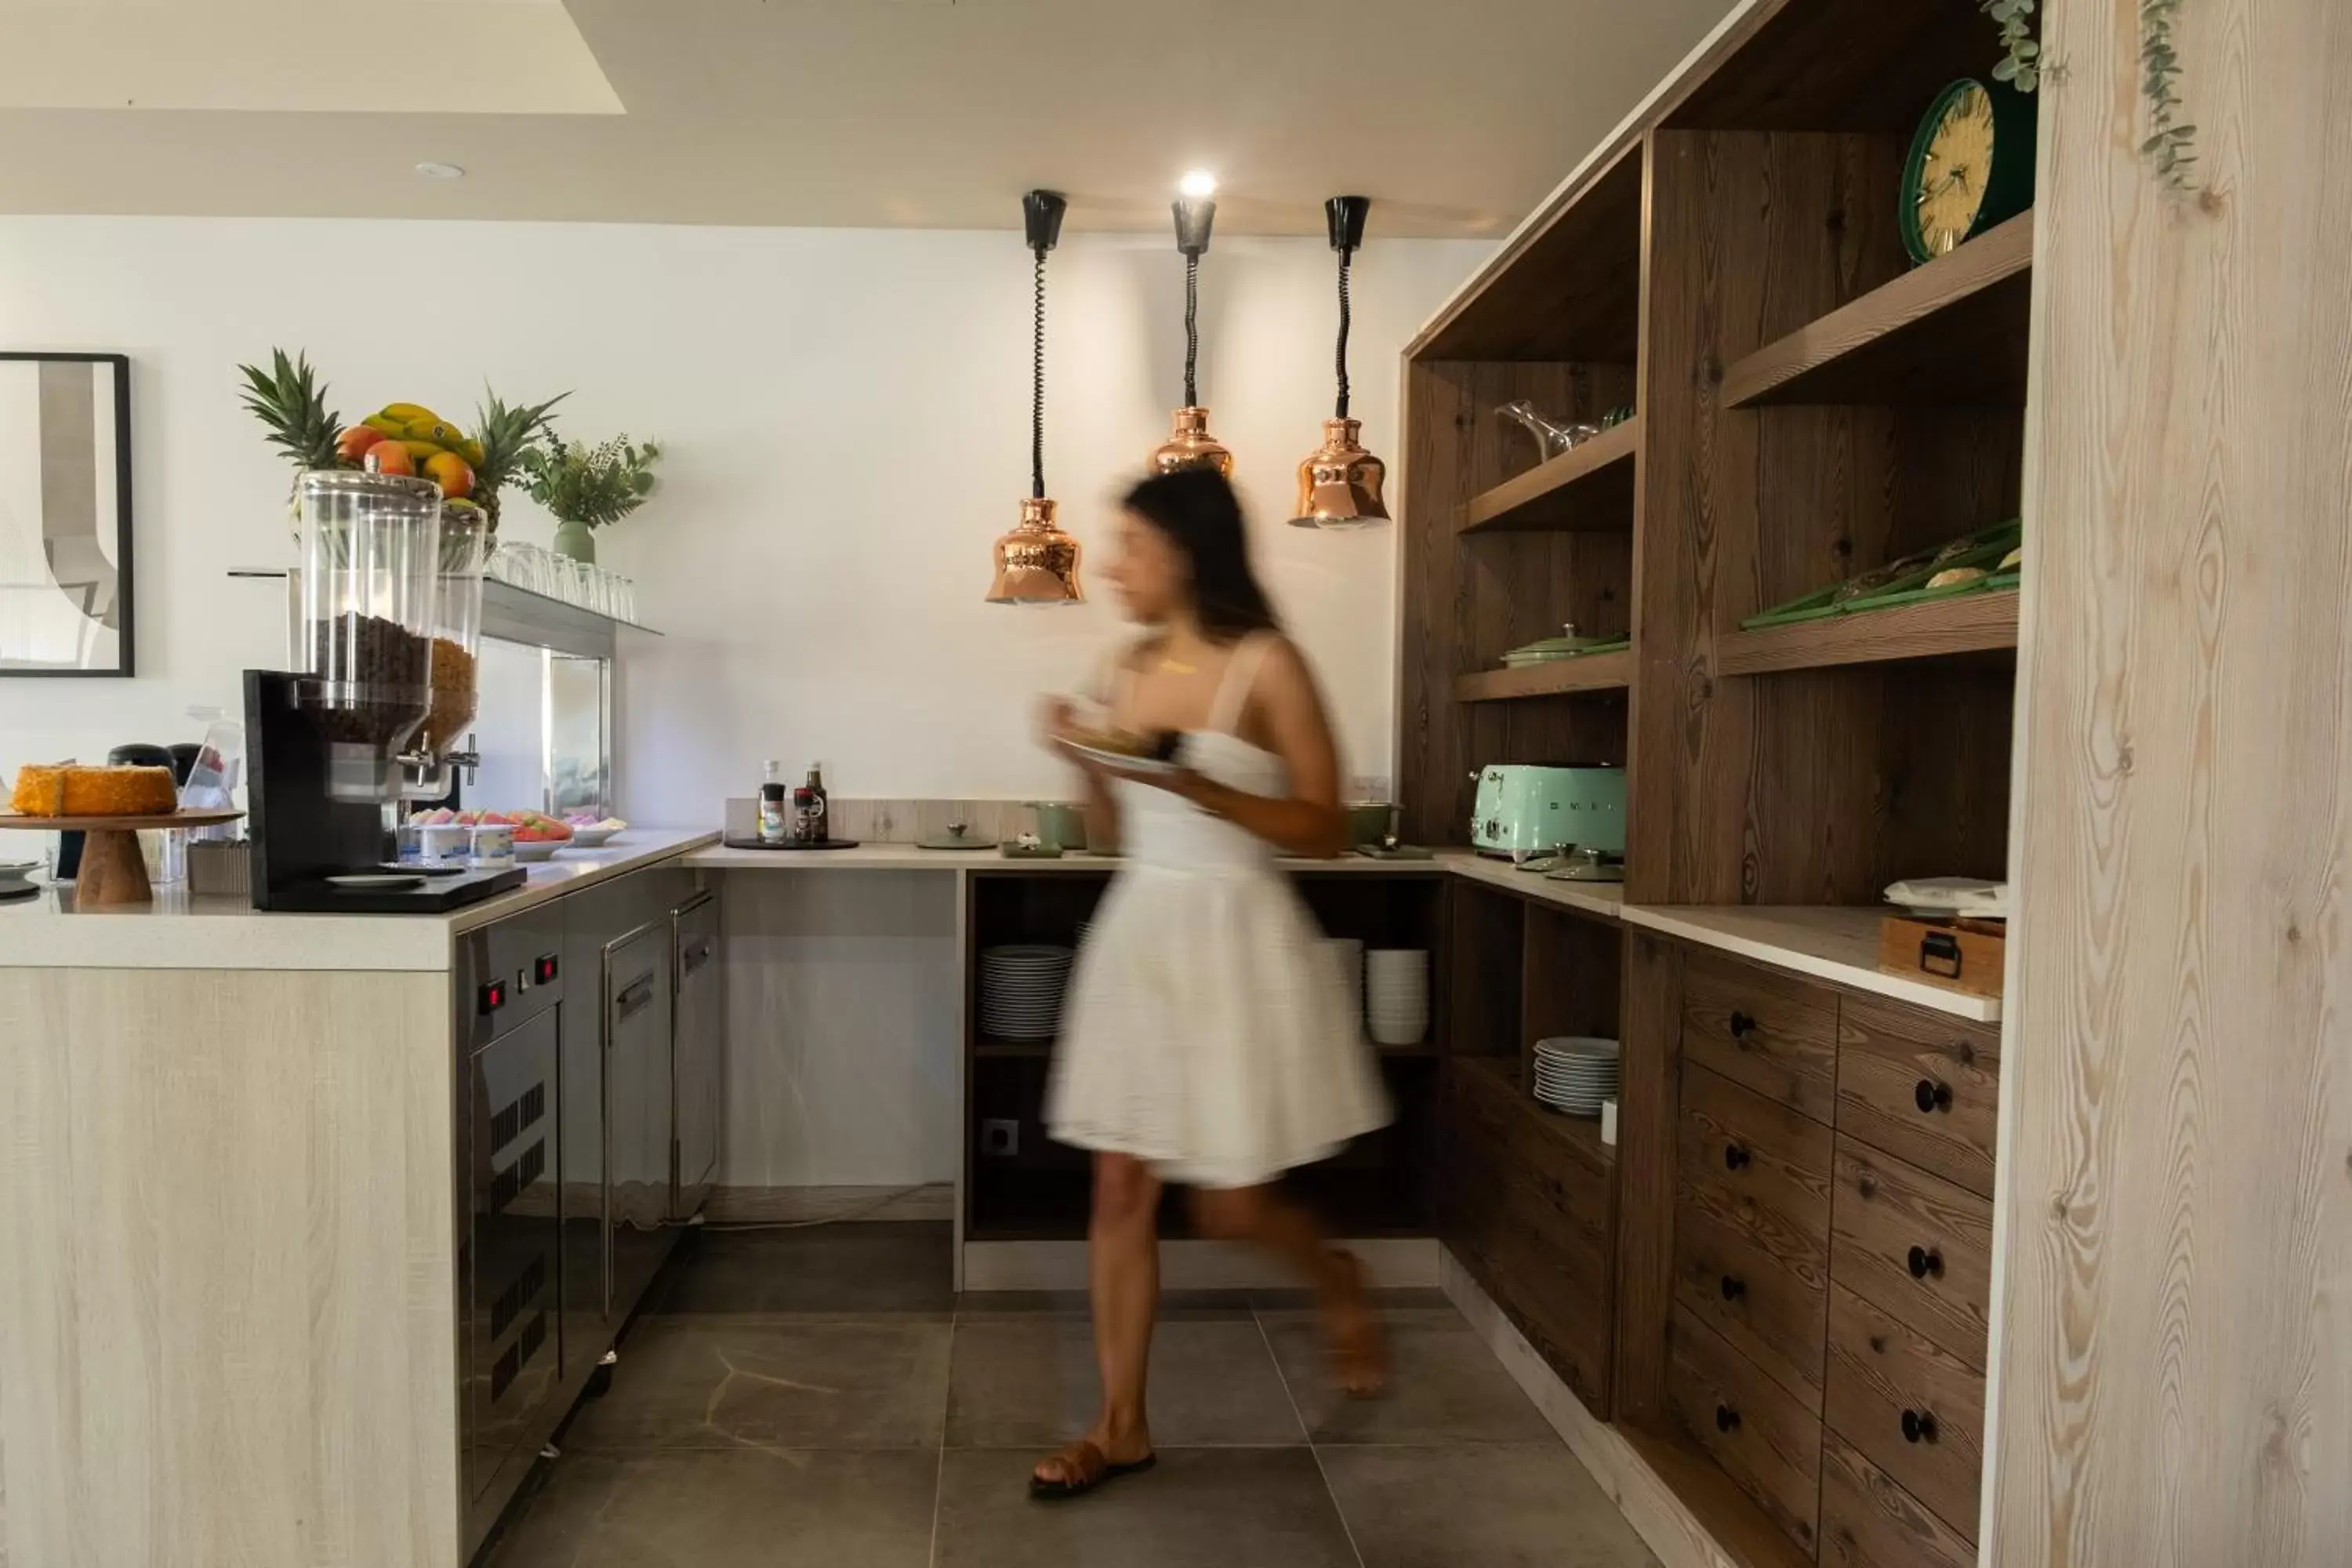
{"x": 354, "y": 443}
{"x": 451, "y": 473}
{"x": 389, "y": 458}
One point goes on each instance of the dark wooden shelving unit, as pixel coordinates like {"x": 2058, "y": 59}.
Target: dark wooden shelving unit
{"x": 1967, "y": 623}
{"x": 1811, "y": 405}
{"x": 1589, "y": 487}
{"x": 1595, "y": 672}
{"x": 1952, "y": 330}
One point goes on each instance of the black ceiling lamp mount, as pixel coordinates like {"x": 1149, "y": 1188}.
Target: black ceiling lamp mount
{"x": 1339, "y": 482}
{"x": 1036, "y": 563}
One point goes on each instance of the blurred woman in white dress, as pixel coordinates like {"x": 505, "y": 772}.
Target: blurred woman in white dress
{"x": 1208, "y": 1040}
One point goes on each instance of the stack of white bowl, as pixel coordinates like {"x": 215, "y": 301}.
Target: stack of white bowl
{"x": 1396, "y": 994}
{"x": 1021, "y": 991}
{"x": 1575, "y": 1073}
{"x": 1347, "y": 956}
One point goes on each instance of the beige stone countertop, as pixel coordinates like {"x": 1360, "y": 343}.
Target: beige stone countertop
{"x": 988, "y": 858}
{"x": 180, "y": 931}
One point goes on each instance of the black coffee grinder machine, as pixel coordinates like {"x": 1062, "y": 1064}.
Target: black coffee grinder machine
{"x": 384, "y": 679}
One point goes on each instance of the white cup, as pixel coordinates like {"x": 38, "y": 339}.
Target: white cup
{"x": 493, "y": 844}
{"x": 444, "y": 843}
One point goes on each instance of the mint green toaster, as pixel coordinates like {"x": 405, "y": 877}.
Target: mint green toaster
{"x": 1523, "y": 810}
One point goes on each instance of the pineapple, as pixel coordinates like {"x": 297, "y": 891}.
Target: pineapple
{"x": 293, "y": 402}
{"x": 506, "y": 432}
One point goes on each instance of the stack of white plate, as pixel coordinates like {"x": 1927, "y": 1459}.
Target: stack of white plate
{"x": 1575, "y": 1073}
{"x": 1021, "y": 991}
{"x": 1347, "y": 955}
{"x": 1396, "y": 996}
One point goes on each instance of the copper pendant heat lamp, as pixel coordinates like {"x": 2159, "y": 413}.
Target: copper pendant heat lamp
{"x": 1339, "y": 482}
{"x": 1188, "y": 443}
{"x": 1037, "y": 564}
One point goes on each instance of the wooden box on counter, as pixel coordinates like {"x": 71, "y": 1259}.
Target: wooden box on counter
{"x": 1958, "y": 954}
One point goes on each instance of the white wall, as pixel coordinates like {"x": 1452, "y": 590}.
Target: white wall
{"x": 846, "y": 418}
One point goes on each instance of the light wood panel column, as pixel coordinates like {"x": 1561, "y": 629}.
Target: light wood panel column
{"x": 2174, "y": 1348}
{"x": 228, "y": 1303}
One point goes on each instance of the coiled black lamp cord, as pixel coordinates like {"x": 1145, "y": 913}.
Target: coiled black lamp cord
{"x": 1192, "y": 331}
{"x": 1037, "y": 388}
{"x": 1347, "y": 256}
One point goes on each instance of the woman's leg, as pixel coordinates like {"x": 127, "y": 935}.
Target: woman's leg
{"x": 1123, "y": 1277}
{"x": 1263, "y": 1215}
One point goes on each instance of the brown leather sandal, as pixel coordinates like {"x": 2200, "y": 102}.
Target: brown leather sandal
{"x": 1359, "y": 1350}
{"x": 1085, "y": 1467}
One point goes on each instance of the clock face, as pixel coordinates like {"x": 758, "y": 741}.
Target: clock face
{"x": 1956, "y": 162}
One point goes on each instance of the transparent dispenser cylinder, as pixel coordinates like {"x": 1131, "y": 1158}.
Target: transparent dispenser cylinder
{"x": 370, "y": 576}
{"x": 458, "y": 630}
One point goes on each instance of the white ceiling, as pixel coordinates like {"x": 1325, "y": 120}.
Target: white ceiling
{"x": 1455, "y": 116}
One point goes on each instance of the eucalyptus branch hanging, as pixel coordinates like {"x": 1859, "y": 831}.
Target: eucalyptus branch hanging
{"x": 2020, "y": 64}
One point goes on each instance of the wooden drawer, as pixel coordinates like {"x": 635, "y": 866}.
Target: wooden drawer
{"x": 1771, "y": 1313}
{"x": 1915, "y": 1246}
{"x": 1765, "y": 1031}
{"x": 1752, "y": 1427}
{"x": 1868, "y": 1522}
{"x": 1909, "y": 1406}
{"x": 1923, "y": 1087}
{"x": 1752, "y": 1227}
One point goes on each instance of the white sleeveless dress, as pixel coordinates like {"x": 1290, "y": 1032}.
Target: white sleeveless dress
{"x": 1207, "y": 1033}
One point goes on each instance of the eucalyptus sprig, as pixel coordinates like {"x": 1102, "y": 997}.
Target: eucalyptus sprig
{"x": 2020, "y": 64}
{"x": 592, "y": 486}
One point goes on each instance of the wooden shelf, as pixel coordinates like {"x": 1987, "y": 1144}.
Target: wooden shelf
{"x": 1953, "y": 331}
{"x": 1970, "y": 623}
{"x": 1581, "y": 1133}
{"x": 1586, "y": 489}
{"x": 1594, "y": 672}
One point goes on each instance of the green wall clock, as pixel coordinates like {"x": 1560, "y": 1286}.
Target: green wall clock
{"x": 1971, "y": 166}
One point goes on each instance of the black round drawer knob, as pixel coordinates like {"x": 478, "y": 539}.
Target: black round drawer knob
{"x": 1924, "y": 1261}
{"x": 1735, "y": 1157}
{"x": 1919, "y": 1426}
{"x": 1727, "y": 1419}
{"x": 1930, "y": 1096}
{"x": 1742, "y": 1025}
{"x": 1734, "y": 1288}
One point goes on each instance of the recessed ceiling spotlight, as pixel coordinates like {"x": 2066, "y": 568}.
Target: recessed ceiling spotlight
{"x": 432, "y": 171}
{"x": 1197, "y": 184}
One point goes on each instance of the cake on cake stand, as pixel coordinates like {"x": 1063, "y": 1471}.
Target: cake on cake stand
{"x": 113, "y": 871}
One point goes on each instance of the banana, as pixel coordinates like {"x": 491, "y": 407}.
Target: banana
{"x": 442, "y": 434}
{"x": 384, "y": 423}
{"x": 420, "y": 450}
{"x": 471, "y": 450}
{"x": 408, "y": 413}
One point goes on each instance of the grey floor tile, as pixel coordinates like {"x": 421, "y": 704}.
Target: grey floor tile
{"x": 710, "y": 1382}
{"x": 1174, "y": 1305}
{"x": 1200, "y": 1508}
{"x": 1030, "y": 1383}
{"x": 857, "y": 1271}
{"x": 1444, "y": 1385}
{"x": 774, "y": 1508}
{"x": 1481, "y": 1506}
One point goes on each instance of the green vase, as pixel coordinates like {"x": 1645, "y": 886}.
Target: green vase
{"x": 576, "y": 540}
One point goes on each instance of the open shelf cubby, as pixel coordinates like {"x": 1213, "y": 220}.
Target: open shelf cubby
{"x": 1589, "y": 486}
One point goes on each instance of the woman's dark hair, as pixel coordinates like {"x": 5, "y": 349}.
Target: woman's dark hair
{"x": 1197, "y": 510}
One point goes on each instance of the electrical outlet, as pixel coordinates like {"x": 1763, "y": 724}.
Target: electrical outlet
{"x": 1000, "y": 1140}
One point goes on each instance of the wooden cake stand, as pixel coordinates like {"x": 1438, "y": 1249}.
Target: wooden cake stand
{"x": 113, "y": 871}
